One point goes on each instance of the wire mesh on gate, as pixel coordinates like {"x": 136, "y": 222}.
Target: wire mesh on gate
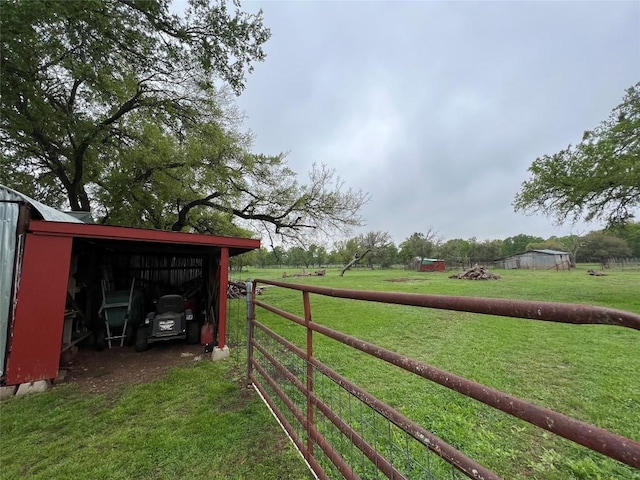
{"x": 236, "y": 333}
{"x": 401, "y": 453}
{"x": 409, "y": 457}
{"x": 236, "y": 323}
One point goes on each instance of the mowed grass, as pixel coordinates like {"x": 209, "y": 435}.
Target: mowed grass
{"x": 197, "y": 423}
{"x": 201, "y": 423}
{"x": 586, "y": 371}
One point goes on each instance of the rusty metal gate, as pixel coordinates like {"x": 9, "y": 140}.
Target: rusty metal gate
{"x": 343, "y": 431}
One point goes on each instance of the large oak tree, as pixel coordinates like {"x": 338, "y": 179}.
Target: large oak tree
{"x": 599, "y": 178}
{"x": 122, "y": 108}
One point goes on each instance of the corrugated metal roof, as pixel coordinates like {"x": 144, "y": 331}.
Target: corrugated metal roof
{"x": 429, "y": 261}
{"x": 49, "y": 214}
{"x": 84, "y": 217}
{"x": 550, "y": 252}
{"x": 545, "y": 251}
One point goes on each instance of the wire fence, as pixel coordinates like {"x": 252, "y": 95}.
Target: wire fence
{"x": 620, "y": 264}
{"x": 343, "y": 431}
{"x": 365, "y": 440}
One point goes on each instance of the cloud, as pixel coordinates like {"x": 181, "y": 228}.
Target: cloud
{"x": 438, "y": 108}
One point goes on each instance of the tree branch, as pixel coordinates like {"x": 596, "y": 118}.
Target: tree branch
{"x": 181, "y": 222}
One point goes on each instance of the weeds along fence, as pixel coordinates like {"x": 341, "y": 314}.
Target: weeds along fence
{"x": 343, "y": 431}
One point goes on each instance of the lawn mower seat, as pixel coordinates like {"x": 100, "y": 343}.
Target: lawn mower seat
{"x": 170, "y": 303}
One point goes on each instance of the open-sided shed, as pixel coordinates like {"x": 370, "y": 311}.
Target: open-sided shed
{"x": 57, "y": 265}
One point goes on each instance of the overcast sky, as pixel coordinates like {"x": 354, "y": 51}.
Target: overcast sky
{"x": 437, "y": 109}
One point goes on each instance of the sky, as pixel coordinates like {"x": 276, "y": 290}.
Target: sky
{"x": 437, "y": 109}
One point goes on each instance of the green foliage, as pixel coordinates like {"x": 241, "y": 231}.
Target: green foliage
{"x": 485, "y": 251}
{"x": 455, "y": 251}
{"x": 419, "y": 245}
{"x": 631, "y": 234}
{"x": 599, "y": 247}
{"x": 387, "y": 255}
{"x": 313, "y": 255}
{"x": 346, "y": 249}
{"x": 238, "y": 262}
{"x": 517, "y": 244}
{"x": 547, "y": 245}
{"x": 121, "y": 108}
{"x": 297, "y": 257}
{"x": 74, "y": 74}
{"x": 380, "y": 246}
{"x": 595, "y": 179}
{"x": 151, "y": 183}
{"x": 333, "y": 258}
{"x": 320, "y": 255}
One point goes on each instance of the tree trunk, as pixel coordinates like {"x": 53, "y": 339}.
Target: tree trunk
{"x": 78, "y": 198}
{"x": 356, "y": 258}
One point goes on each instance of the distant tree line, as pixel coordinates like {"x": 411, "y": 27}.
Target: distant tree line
{"x": 596, "y": 246}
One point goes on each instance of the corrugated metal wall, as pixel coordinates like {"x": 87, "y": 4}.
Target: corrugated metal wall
{"x": 542, "y": 260}
{"x": 8, "y": 225}
{"x": 536, "y": 260}
{"x": 165, "y": 270}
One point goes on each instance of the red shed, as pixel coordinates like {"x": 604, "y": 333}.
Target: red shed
{"x": 58, "y": 264}
{"x": 431, "y": 265}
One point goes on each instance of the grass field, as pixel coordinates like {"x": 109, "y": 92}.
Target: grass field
{"x": 201, "y": 423}
{"x": 586, "y": 371}
{"x": 197, "y": 423}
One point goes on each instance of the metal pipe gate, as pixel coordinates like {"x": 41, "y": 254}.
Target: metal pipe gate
{"x": 300, "y": 391}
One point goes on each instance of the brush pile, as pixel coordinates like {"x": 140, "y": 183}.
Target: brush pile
{"x": 476, "y": 273}
{"x": 239, "y": 290}
{"x": 596, "y": 274}
{"x": 317, "y": 273}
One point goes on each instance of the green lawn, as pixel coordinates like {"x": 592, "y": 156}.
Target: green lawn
{"x": 200, "y": 422}
{"x": 197, "y": 423}
{"x": 586, "y": 371}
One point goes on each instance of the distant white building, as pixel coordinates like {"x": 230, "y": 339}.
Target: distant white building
{"x": 537, "y": 260}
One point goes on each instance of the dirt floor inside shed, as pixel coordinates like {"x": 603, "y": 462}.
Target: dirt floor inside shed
{"x": 106, "y": 371}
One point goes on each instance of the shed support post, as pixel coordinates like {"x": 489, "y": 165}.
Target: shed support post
{"x": 221, "y": 350}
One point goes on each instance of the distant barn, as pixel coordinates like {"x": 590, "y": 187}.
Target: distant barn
{"x": 430, "y": 265}
{"x": 537, "y": 260}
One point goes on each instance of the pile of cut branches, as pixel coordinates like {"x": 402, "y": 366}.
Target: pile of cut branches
{"x": 317, "y": 273}
{"x": 239, "y": 290}
{"x": 591, "y": 271}
{"x": 478, "y": 272}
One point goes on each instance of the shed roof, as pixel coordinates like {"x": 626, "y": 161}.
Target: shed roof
{"x": 543, "y": 251}
{"x": 57, "y": 223}
{"x": 143, "y": 235}
{"x": 549, "y": 252}
{"x": 429, "y": 261}
{"x": 47, "y": 213}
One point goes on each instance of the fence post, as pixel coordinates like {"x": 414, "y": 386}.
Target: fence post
{"x": 250, "y": 317}
{"x": 307, "y": 319}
